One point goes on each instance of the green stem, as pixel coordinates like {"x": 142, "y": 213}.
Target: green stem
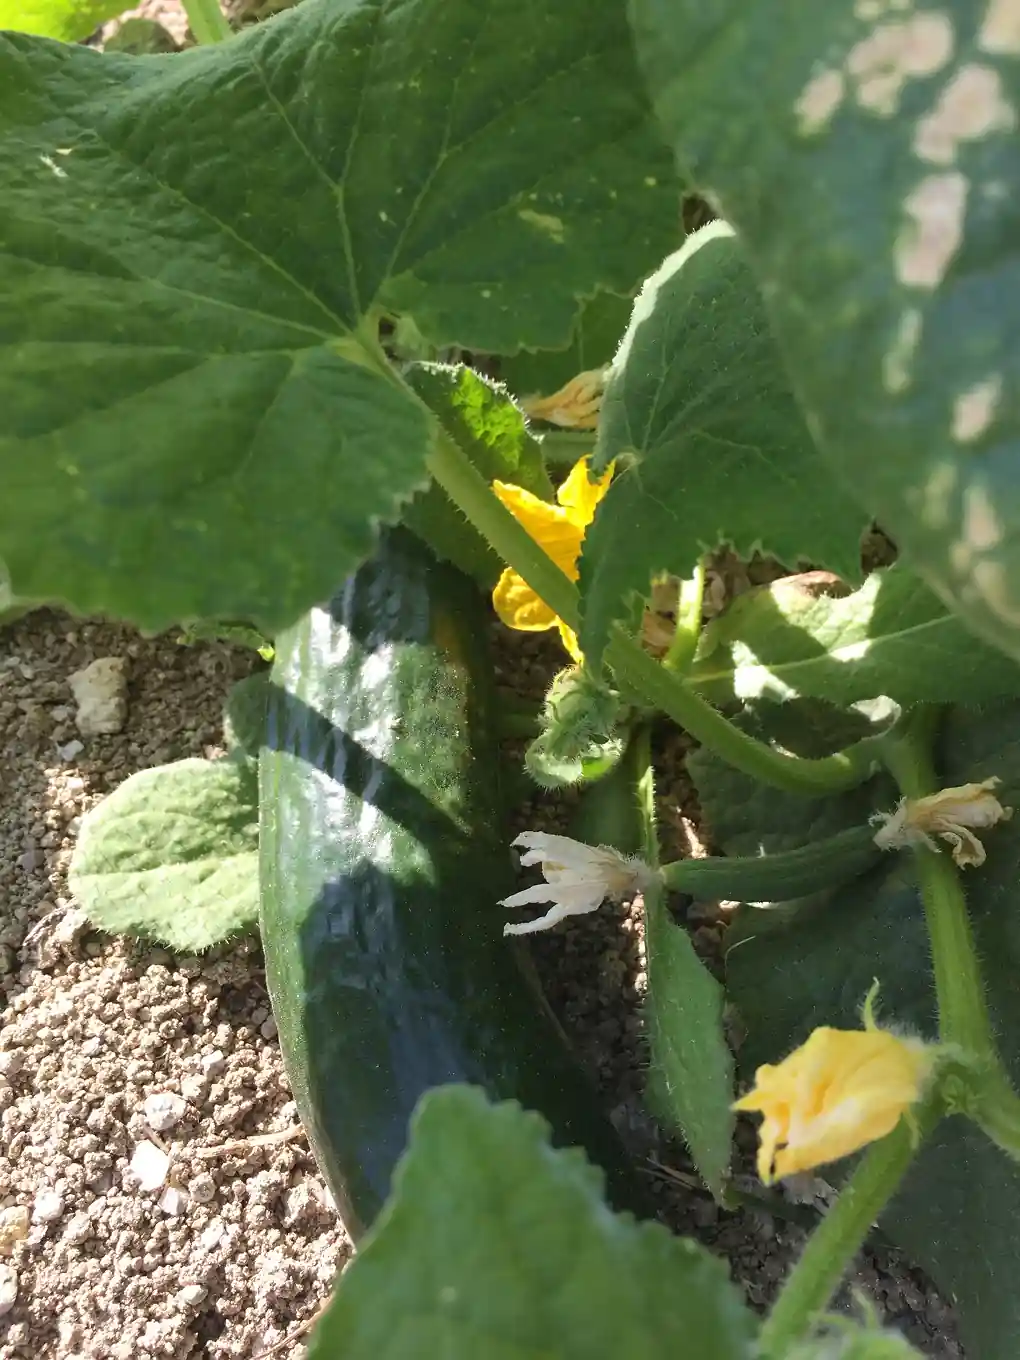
{"x": 794, "y": 774}
{"x": 839, "y": 1237}
{"x": 207, "y": 21}
{"x": 997, "y": 1111}
{"x": 471, "y": 493}
{"x": 688, "y": 623}
{"x": 963, "y": 1013}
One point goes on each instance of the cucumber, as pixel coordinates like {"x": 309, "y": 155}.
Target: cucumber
{"x": 383, "y": 855}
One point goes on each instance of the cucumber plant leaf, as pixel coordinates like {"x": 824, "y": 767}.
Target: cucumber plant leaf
{"x": 801, "y": 964}
{"x": 525, "y": 1262}
{"x": 893, "y": 637}
{"x": 870, "y": 160}
{"x": 711, "y": 445}
{"x": 172, "y": 854}
{"x": 196, "y": 419}
{"x": 67, "y": 20}
{"x": 596, "y": 337}
{"x": 479, "y": 416}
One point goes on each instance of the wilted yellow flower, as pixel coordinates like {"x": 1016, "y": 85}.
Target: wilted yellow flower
{"x": 837, "y": 1092}
{"x": 575, "y": 406}
{"x": 559, "y": 529}
{"x": 949, "y": 814}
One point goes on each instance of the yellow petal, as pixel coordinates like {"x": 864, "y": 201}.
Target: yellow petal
{"x": 570, "y": 641}
{"x": 838, "y": 1091}
{"x": 519, "y": 607}
{"x": 551, "y": 526}
{"x": 579, "y": 496}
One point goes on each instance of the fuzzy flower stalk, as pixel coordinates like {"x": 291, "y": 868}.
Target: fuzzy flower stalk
{"x": 579, "y": 878}
{"x": 839, "y": 1091}
{"x": 953, "y": 815}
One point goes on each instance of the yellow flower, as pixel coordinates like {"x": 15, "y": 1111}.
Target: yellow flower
{"x": 949, "y": 814}
{"x": 559, "y": 529}
{"x": 837, "y": 1092}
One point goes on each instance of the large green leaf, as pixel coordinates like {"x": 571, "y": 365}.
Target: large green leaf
{"x": 810, "y": 963}
{"x": 891, "y": 637}
{"x": 713, "y": 447}
{"x": 869, "y": 157}
{"x": 479, "y": 415}
{"x": 196, "y": 419}
{"x": 172, "y": 854}
{"x": 494, "y": 1245}
{"x": 68, "y": 20}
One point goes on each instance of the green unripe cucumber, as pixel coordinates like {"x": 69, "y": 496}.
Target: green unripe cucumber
{"x": 383, "y": 856}
{"x": 777, "y": 878}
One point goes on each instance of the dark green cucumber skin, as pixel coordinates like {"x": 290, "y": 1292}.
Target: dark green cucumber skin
{"x": 383, "y": 857}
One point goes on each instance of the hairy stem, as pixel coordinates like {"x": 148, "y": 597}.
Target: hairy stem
{"x": 207, "y": 21}
{"x": 688, "y": 623}
{"x": 963, "y": 1012}
{"x": 795, "y": 774}
{"x": 839, "y": 1236}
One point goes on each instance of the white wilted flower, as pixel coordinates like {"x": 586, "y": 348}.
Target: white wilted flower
{"x": 578, "y": 877}
{"x": 949, "y": 814}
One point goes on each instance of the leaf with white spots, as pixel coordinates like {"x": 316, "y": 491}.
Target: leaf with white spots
{"x": 868, "y": 155}
{"x": 196, "y": 419}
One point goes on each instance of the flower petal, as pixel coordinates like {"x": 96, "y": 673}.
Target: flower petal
{"x": 519, "y": 607}
{"x": 579, "y": 496}
{"x": 569, "y": 639}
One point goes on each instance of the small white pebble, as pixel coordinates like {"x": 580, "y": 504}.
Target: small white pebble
{"x": 268, "y": 1028}
{"x": 202, "y": 1188}
{"x": 79, "y": 1229}
{"x": 13, "y": 1228}
{"x": 71, "y": 751}
{"x": 48, "y": 1206}
{"x": 8, "y": 1288}
{"x": 173, "y": 1201}
{"x": 193, "y": 1090}
{"x": 164, "y": 1110}
{"x": 12, "y": 1060}
{"x": 149, "y": 1165}
{"x": 214, "y": 1064}
{"x": 191, "y": 1295}
{"x": 100, "y": 693}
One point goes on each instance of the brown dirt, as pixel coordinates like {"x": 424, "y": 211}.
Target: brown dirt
{"x": 91, "y": 1026}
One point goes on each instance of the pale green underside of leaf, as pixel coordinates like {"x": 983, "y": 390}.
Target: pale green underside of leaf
{"x": 870, "y": 160}
{"x": 811, "y": 963}
{"x": 67, "y": 20}
{"x": 892, "y": 637}
{"x": 699, "y": 400}
{"x": 172, "y": 854}
{"x": 195, "y": 421}
{"x": 524, "y": 1261}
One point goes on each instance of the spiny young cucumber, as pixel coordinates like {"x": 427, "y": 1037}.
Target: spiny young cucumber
{"x": 777, "y": 878}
